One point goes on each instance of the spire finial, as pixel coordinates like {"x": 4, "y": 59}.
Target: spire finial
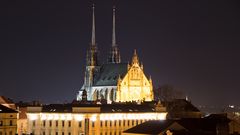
{"x": 93, "y": 41}
{"x": 113, "y": 29}
{"x": 135, "y": 57}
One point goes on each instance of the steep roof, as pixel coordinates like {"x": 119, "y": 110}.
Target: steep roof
{"x": 153, "y": 127}
{"x": 4, "y": 100}
{"x": 109, "y": 73}
{"x": 4, "y": 109}
{"x": 178, "y": 105}
{"x": 192, "y": 126}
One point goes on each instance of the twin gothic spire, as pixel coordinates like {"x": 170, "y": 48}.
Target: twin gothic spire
{"x": 114, "y": 54}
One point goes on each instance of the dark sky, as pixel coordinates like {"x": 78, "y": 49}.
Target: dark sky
{"x": 192, "y": 45}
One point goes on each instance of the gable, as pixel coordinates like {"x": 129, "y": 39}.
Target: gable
{"x": 136, "y": 75}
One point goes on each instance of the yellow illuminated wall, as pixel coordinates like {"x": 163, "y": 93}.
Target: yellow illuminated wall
{"x": 87, "y": 123}
{"x": 8, "y": 123}
{"x": 134, "y": 86}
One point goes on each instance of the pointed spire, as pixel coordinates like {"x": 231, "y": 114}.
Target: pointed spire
{"x": 93, "y": 41}
{"x": 135, "y": 58}
{"x": 113, "y": 29}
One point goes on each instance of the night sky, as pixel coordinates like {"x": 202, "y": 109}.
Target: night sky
{"x": 192, "y": 45}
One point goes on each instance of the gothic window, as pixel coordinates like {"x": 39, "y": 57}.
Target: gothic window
{"x": 106, "y": 94}
{"x": 112, "y": 94}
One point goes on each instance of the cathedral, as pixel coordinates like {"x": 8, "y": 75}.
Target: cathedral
{"x": 113, "y": 81}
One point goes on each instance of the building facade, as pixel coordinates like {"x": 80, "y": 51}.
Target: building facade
{"x": 8, "y": 121}
{"x": 88, "y": 119}
{"x": 114, "y": 81}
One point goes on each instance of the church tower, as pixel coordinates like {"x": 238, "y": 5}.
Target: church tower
{"x": 92, "y": 64}
{"x": 114, "y": 55}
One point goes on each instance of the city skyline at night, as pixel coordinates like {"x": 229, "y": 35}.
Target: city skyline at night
{"x": 192, "y": 46}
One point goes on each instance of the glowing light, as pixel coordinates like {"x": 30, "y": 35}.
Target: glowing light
{"x": 133, "y": 116}
{"x": 93, "y": 118}
{"x": 33, "y": 116}
{"x": 78, "y": 117}
{"x": 43, "y": 116}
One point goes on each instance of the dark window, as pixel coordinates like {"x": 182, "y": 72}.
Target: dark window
{"x": 137, "y": 122}
{"x": 93, "y": 124}
{"x": 62, "y": 133}
{"x": 115, "y": 123}
{"x": 33, "y": 123}
{"x": 132, "y": 122}
{"x": 50, "y": 123}
{"x": 44, "y": 123}
{"x": 128, "y": 122}
{"x": 101, "y": 123}
{"x": 80, "y": 123}
{"x": 123, "y": 122}
{"x": 43, "y": 133}
{"x": 56, "y": 123}
{"x": 10, "y": 122}
{"x": 1, "y": 133}
{"x": 110, "y": 124}
{"x": 56, "y": 133}
{"x": 10, "y": 133}
{"x": 69, "y": 133}
{"x": 105, "y": 123}
{"x": 1, "y": 123}
{"x": 69, "y": 123}
{"x": 63, "y": 123}
{"x": 119, "y": 122}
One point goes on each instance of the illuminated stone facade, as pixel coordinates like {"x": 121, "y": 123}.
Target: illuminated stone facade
{"x": 114, "y": 81}
{"x": 8, "y": 121}
{"x": 88, "y": 120}
{"x": 134, "y": 86}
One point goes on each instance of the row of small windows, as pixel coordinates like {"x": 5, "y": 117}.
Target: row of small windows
{"x": 2, "y": 133}
{"x": 58, "y": 133}
{"x": 50, "y": 123}
{"x": 10, "y": 123}
{"x": 120, "y": 123}
{"x": 111, "y": 133}
{"x": 110, "y": 123}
